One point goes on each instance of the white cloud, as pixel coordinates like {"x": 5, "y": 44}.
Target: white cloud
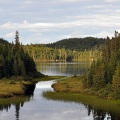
{"x": 51, "y": 20}
{"x": 82, "y": 21}
{"x": 103, "y": 34}
{"x": 70, "y": 0}
{"x": 9, "y": 35}
{"x": 111, "y": 1}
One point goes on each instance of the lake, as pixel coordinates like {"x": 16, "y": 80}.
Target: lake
{"x": 36, "y": 107}
{"x": 63, "y": 68}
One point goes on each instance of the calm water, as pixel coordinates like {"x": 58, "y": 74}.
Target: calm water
{"x": 63, "y": 68}
{"x": 36, "y": 107}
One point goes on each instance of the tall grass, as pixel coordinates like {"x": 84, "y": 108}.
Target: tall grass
{"x": 110, "y": 106}
{"x": 47, "y": 78}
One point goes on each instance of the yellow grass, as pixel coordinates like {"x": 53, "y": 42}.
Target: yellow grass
{"x": 70, "y": 84}
{"x": 11, "y": 88}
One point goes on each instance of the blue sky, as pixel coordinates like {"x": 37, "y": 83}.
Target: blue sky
{"x": 47, "y": 21}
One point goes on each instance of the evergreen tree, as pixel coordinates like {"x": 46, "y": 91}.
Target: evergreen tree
{"x": 15, "y": 68}
{"x": 116, "y": 82}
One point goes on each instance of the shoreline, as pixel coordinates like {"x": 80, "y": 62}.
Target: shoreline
{"x": 13, "y": 87}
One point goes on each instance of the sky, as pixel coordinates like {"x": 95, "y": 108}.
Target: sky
{"x": 48, "y": 21}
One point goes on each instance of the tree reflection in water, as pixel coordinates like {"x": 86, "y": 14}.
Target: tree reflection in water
{"x": 18, "y": 102}
{"x": 100, "y": 114}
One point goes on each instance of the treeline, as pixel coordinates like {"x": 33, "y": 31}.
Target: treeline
{"x": 79, "y": 44}
{"x": 104, "y": 74}
{"x": 14, "y": 61}
{"x": 2, "y": 41}
{"x": 42, "y": 53}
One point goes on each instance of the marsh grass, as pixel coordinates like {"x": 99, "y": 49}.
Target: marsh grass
{"x": 10, "y": 88}
{"x": 17, "y": 86}
{"x": 72, "y": 89}
{"x": 69, "y": 84}
{"x": 110, "y": 106}
{"x": 47, "y": 78}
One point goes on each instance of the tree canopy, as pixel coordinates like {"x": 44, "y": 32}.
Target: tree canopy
{"x": 78, "y": 44}
{"x": 106, "y": 71}
{"x": 14, "y": 61}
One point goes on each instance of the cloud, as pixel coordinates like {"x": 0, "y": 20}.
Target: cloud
{"x": 111, "y": 1}
{"x": 9, "y": 35}
{"x": 77, "y": 21}
{"x": 51, "y": 20}
{"x": 70, "y": 0}
{"x": 102, "y": 34}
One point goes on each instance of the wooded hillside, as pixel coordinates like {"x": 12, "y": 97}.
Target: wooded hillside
{"x": 78, "y": 44}
{"x": 104, "y": 75}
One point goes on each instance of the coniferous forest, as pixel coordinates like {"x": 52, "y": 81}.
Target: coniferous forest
{"x": 104, "y": 74}
{"x": 79, "y": 44}
{"x": 14, "y": 61}
{"x": 73, "y": 49}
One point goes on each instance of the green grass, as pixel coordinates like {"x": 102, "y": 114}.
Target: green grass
{"x": 16, "y": 86}
{"x": 69, "y": 84}
{"x": 72, "y": 89}
{"x": 11, "y": 88}
{"x": 47, "y": 78}
{"x": 111, "y": 106}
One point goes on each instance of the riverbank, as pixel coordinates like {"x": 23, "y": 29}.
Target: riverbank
{"x": 71, "y": 89}
{"x": 16, "y": 87}
{"x": 69, "y": 84}
{"x": 75, "y": 85}
{"x": 11, "y": 88}
{"x": 92, "y": 102}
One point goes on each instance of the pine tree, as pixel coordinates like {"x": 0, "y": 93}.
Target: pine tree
{"x": 116, "y": 82}
{"x": 17, "y": 43}
{"x": 15, "y": 68}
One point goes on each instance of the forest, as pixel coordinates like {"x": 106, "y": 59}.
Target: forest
{"x": 42, "y": 53}
{"x": 79, "y": 44}
{"x": 14, "y": 61}
{"x": 104, "y": 74}
{"x": 76, "y": 49}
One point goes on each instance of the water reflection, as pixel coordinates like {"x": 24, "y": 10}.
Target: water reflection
{"x": 7, "y": 104}
{"x": 36, "y": 107}
{"x": 63, "y": 68}
{"x": 101, "y": 115}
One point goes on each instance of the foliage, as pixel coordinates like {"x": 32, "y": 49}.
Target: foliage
{"x": 106, "y": 70}
{"x": 14, "y": 61}
{"x": 79, "y": 44}
{"x": 42, "y": 53}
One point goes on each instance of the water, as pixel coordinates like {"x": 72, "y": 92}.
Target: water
{"x": 36, "y": 107}
{"x": 63, "y": 68}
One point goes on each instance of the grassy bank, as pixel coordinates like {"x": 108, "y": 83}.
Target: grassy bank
{"x": 11, "y": 88}
{"x": 72, "y": 89}
{"x": 46, "y": 78}
{"x": 69, "y": 84}
{"x": 15, "y": 87}
{"x": 111, "y": 106}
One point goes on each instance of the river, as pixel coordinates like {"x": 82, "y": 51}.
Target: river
{"x": 36, "y": 107}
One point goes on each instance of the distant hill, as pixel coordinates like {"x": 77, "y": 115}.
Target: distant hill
{"x": 79, "y": 44}
{"x": 3, "y": 41}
